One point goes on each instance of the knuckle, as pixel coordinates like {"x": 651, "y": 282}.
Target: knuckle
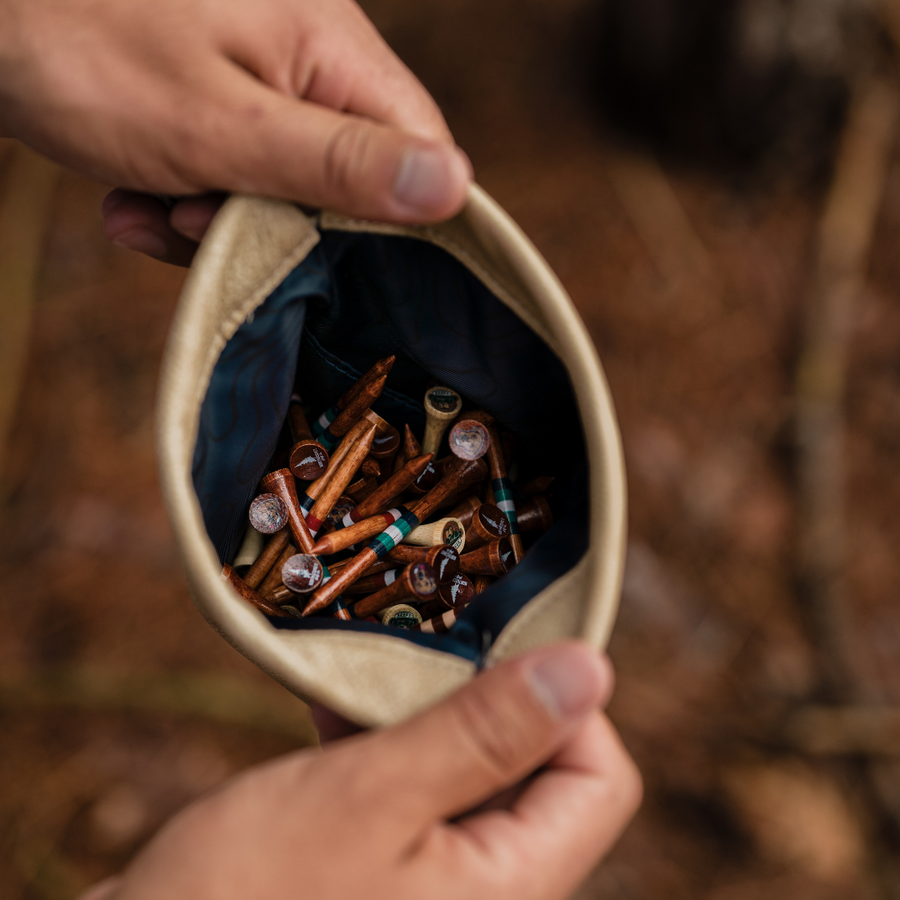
{"x": 346, "y": 157}
{"x": 494, "y": 739}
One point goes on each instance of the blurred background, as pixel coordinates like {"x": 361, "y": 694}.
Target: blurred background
{"x": 717, "y": 183}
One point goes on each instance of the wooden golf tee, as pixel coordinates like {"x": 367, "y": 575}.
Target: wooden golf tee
{"x": 341, "y": 478}
{"x": 254, "y": 576}
{"x": 352, "y": 412}
{"x": 417, "y": 581}
{"x": 302, "y": 573}
{"x": 308, "y": 459}
{"x": 482, "y": 582}
{"x": 442, "y": 405}
{"x": 443, "y": 559}
{"x": 427, "y": 480}
{"x": 356, "y": 533}
{"x": 361, "y": 488}
{"x": 488, "y": 524}
{"x": 359, "y": 528}
{"x": 503, "y": 492}
{"x": 456, "y": 594}
{"x": 458, "y": 474}
{"x": 495, "y": 558}
{"x": 382, "y": 367}
{"x": 384, "y": 449}
{"x": 369, "y": 584}
{"x": 377, "y": 550}
{"x": 401, "y": 615}
{"x": 248, "y": 594}
{"x": 392, "y": 488}
{"x": 535, "y": 515}
{"x": 315, "y": 489}
{"x": 273, "y": 579}
{"x": 282, "y": 482}
{"x": 409, "y": 449}
{"x": 439, "y": 624}
{"x": 444, "y": 531}
{"x": 465, "y": 510}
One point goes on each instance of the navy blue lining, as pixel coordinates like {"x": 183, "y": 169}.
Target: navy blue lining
{"x": 355, "y": 299}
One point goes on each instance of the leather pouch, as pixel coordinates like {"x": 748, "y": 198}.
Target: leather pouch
{"x": 276, "y": 299}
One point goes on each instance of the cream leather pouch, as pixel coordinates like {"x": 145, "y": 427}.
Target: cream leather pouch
{"x": 279, "y": 301}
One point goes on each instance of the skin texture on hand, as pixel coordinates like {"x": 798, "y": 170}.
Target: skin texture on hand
{"x": 401, "y": 814}
{"x": 299, "y": 99}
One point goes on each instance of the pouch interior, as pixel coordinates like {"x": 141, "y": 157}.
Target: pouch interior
{"x": 356, "y": 298}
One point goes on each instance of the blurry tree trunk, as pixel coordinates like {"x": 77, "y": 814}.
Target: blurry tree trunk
{"x": 844, "y": 240}
{"x": 25, "y": 197}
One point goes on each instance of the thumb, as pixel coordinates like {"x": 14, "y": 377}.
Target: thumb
{"x": 492, "y": 733}
{"x": 299, "y": 150}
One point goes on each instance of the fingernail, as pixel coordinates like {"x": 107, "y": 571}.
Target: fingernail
{"x": 567, "y": 681}
{"x": 425, "y": 177}
{"x": 142, "y": 241}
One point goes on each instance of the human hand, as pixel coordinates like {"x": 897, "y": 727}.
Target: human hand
{"x": 299, "y": 99}
{"x": 388, "y": 814}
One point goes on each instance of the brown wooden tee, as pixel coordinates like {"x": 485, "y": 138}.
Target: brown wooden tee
{"x": 464, "y": 511}
{"x": 381, "y": 368}
{"x": 488, "y": 524}
{"x": 380, "y": 499}
{"x": 497, "y": 464}
{"x": 352, "y": 571}
{"x": 369, "y": 584}
{"x": 352, "y": 534}
{"x": 385, "y": 448}
{"x": 264, "y": 562}
{"x": 251, "y": 596}
{"x": 308, "y": 459}
{"x": 362, "y": 488}
{"x": 535, "y": 515}
{"x": 357, "y": 406}
{"x": 409, "y": 584}
{"x": 458, "y": 474}
{"x": 282, "y": 483}
{"x": 315, "y": 489}
{"x": 340, "y": 480}
{"x": 273, "y": 579}
{"x": 456, "y": 594}
{"x": 443, "y": 559}
{"x": 495, "y": 558}
{"x": 482, "y": 583}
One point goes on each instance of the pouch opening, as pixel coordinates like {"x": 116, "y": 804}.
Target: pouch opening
{"x": 357, "y": 298}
